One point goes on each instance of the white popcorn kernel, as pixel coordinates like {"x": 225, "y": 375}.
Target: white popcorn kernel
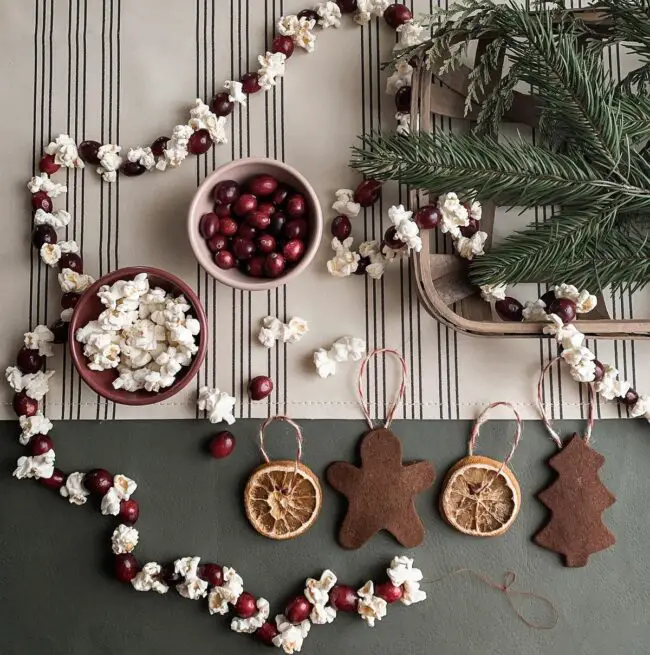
{"x": 217, "y": 404}
{"x": 65, "y": 152}
{"x": 74, "y": 490}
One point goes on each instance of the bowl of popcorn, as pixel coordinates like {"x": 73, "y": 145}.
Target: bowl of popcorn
{"x": 138, "y": 336}
{"x": 255, "y": 224}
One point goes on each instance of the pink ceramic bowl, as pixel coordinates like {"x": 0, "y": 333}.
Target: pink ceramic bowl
{"x": 240, "y": 170}
{"x": 89, "y": 307}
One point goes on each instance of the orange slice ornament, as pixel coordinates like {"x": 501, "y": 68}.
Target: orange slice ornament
{"x": 481, "y": 496}
{"x": 282, "y": 498}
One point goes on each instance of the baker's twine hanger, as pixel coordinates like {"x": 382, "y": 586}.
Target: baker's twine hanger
{"x": 299, "y": 438}
{"x": 398, "y": 396}
{"x": 542, "y": 412}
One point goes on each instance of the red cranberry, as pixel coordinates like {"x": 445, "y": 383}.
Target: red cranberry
{"x": 309, "y": 14}
{"x": 245, "y": 204}
{"x": 403, "y": 99}
{"x": 278, "y": 221}
{"x": 28, "y": 360}
{"x": 247, "y": 231}
{"x": 222, "y": 105}
{"x": 228, "y": 227}
{"x": 283, "y": 44}
{"x": 242, "y": 248}
{"x": 169, "y": 575}
{"x": 263, "y": 186}
{"x": 69, "y": 300}
{"x": 347, "y": 6}
{"x": 427, "y": 217}
{"x": 259, "y": 220}
{"x": 199, "y": 143}
{"x": 293, "y": 250}
{"x": 267, "y": 208}
{"x": 250, "y": 83}
{"x": 126, "y": 567}
{"x": 55, "y": 482}
{"x": 40, "y": 200}
{"x": 296, "y": 228}
{"x": 341, "y": 228}
{"x": 470, "y": 229}
{"x": 389, "y": 592}
{"x": 89, "y": 152}
{"x": 266, "y": 633}
{"x": 60, "y": 331}
{"x": 564, "y": 308}
{"x": 548, "y": 298}
{"x": 274, "y": 265}
{"x": 226, "y": 192}
{"x": 280, "y": 196}
{"x": 344, "y": 598}
{"x": 209, "y": 225}
{"x": 211, "y": 573}
{"x": 222, "y": 211}
{"x": 98, "y": 481}
{"x": 367, "y": 193}
{"x": 24, "y": 405}
{"x": 225, "y": 260}
{"x": 296, "y": 205}
{"x": 396, "y": 15}
{"x": 298, "y": 610}
{"x": 72, "y": 261}
{"x": 48, "y": 165}
{"x": 362, "y": 265}
{"x": 245, "y": 606}
{"x": 222, "y": 444}
{"x": 132, "y": 168}
{"x": 255, "y": 266}
{"x": 40, "y": 444}
{"x": 509, "y": 309}
{"x": 599, "y": 373}
{"x": 260, "y": 387}
{"x": 217, "y": 242}
{"x": 43, "y": 234}
{"x": 129, "y": 511}
{"x": 630, "y": 398}
{"x": 391, "y": 239}
{"x": 266, "y": 243}
{"x": 159, "y": 145}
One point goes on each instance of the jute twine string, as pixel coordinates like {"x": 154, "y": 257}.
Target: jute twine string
{"x": 299, "y": 438}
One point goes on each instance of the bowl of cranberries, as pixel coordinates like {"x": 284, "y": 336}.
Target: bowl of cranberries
{"x": 255, "y": 224}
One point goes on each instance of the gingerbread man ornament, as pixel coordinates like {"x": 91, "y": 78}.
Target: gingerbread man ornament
{"x": 381, "y": 491}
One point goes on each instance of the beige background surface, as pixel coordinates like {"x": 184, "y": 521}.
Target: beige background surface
{"x": 126, "y": 72}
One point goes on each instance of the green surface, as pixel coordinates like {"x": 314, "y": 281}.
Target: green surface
{"x": 57, "y": 595}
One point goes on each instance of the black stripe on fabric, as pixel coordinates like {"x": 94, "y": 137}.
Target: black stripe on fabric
{"x": 198, "y": 174}
{"x": 34, "y": 160}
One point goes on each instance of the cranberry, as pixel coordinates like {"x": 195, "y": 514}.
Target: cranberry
{"x": 260, "y": 387}
{"x": 89, "y": 152}
{"x": 259, "y": 220}
{"x": 247, "y": 231}
{"x": 389, "y": 592}
{"x": 599, "y": 373}
{"x": 60, "y": 331}
{"x": 278, "y": 221}
{"x": 548, "y": 298}
{"x": 293, "y": 250}
{"x": 296, "y": 205}
{"x": 217, "y": 242}
{"x": 169, "y": 575}
{"x": 226, "y": 192}
{"x": 211, "y": 573}
{"x": 296, "y": 228}
{"x": 72, "y": 261}
{"x": 132, "y": 168}
{"x": 250, "y": 83}
{"x": 266, "y": 243}
{"x": 200, "y": 142}
{"x": 255, "y": 266}
{"x": 98, "y": 481}
{"x": 266, "y": 633}
{"x": 344, "y": 598}
{"x": 209, "y": 225}
{"x": 40, "y": 444}
{"x": 392, "y": 240}
{"x": 159, "y": 145}
{"x": 43, "y": 234}
{"x": 274, "y": 264}
{"x": 225, "y": 260}
{"x": 362, "y": 265}
{"x": 280, "y": 196}
{"x": 48, "y": 165}
{"x": 40, "y": 200}
{"x": 69, "y": 300}
{"x": 267, "y": 208}
{"x": 298, "y": 610}
{"x": 222, "y": 105}
{"x": 262, "y": 186}
{"x": 228, "y": 227}
{"x": 347, "y": 6}
{"x": 283, "y": 44}
{"x": 396, "y": 15}
{"x": 245, "y": 606}
{"x": 630, "y": 398}
{"x": 242, "y": 248}
{"x": 129, "y": 511}
{"x": 55, "y": 482}
{"x": 24, "y": 405}
{"x": 470, "y": 229}
{"x": 245, "y": 204}
{"x": 403, "y": 99}
{"x": 564, "y": 308}
{"x": 309, "y": 14}
{"x": 367, "y": 193}
{"x": 509, "y": 309}
{"x": 222, "y": 211}
{"x": 222, "y": 444}
{"x": 28, "y": 360}
{"x": 427, "y": 217}
{"x": 341, "y": 228}
{"x": 126, "y": 567}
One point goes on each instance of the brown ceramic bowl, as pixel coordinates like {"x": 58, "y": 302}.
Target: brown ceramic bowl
{"x": 241, "y": 170}
{"x": 89, "y": 308}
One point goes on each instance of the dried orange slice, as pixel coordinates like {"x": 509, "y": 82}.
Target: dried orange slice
{"x": 479, "y": 500}
{"x": 282, "y": 501}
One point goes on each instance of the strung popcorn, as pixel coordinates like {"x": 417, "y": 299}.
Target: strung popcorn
{"x": 51, "y": 253}
{"x": 57, "y": 219}
{"x": 65, "y": 152}
{"x": 72, "y": 282}
{"x": 317, "y": 593}
{"x": 236, "y": 92}
{"x": 345, "y": 205}
{"x": 583, "y": 300}
{"x": 41, "y": 339}
{"x": 192, "y": 586}
{"x": 176, "y": 150}
{"x": 35, "y": 385}
{"x": 402, "y": 574}
{"x": 290, "y": 636}
{"x": 201, "y": 118}
{"x": 371, "y": 250}
{"x": 74, "y": 489}
{"x": 42, "y": 182}
{"x": 253, "y": 623}
{"x": 454, "y": 215}
{"x": 31, "y": 426}
{"x": 227, "y": 593}
{"x": 122, "y": 489}
{"x": 534, "y": 310}
{"x": 403, "y": 123}
{"x": 493, "y": 292}
{"x": 109, "y": 161}
{"x": 345, "y": 261}
{"x": 366, "y": 9}
{"x": 610, "y": 387}
{"x": 272, "y": 67}
{"x": 470, "y": 247}
{"x": 124, "y": 539}
{"x": 330, "y": 14}
{"x": 150, "y": 579}
{"x": 217, "y": 404}
{"x": 142, "y": 156}
{"x": 371, "y": 608}
{"x": 401, "y": 77}
{"x": 406, "y": 229}
{"x": 410, "y": 34}
{"x": 37, "y": 466}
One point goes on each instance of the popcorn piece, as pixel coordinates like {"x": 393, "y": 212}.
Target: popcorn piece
{"x": 534, "y": 310}
{"x": 228, "y": 593}
{"x": 349, "y": 349}
{"x": 290, "y": 636}
{"x": 454, "y": 215}
{"x": 176, "y": 150}
{"x": 402, "y": 77}
{"x": 57, "y": 219}
{"x": 345, "y": 205}
{"x": 289, "y": 25}
{"x": 109, "y": 161}
{"x": 65, "y": 152}
{"x": 371, "y": 608}
{"x": 403, "y": 123}
{"x": 192, "y": 586}
{"x": 14, "y": 378}
{"x": 305, "y": 38}
{"x": 476, "y": 211}
{"x": 345, "y": 262}
{"x": 142, "y": 156}
{"x": 150, "y": 579}
{"x": 272, "y": 67}
{"x": 74, "y": 490}
{"x": 410, "y": 34}
{"x": 402, "y": 573}
{"x": 124, "y": 539}
{"x": 325, "y": 363}
{"x": 295, "y": 330}
{"x": 217, "y": 404}
{"x": 43, "y": 182}
{"x": 610, "y": 387}
{"x": 317, "y": 593}
{"x": 330, "y": 14}
{"x": 37, "y": 466}
{"x": 250, "y": 625}
{"x": 36, "y": 385}
{"x": 236, "y": 92}
{"x": 203, "y": 119}
{"x": 33, "y": 425}
{"x": 584, "y": 301}
{"x": 406, "y": 229}
{"x": 71, "y": 281}
{"x": 490, "y": 292}
{"x": 471, "y": 247}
